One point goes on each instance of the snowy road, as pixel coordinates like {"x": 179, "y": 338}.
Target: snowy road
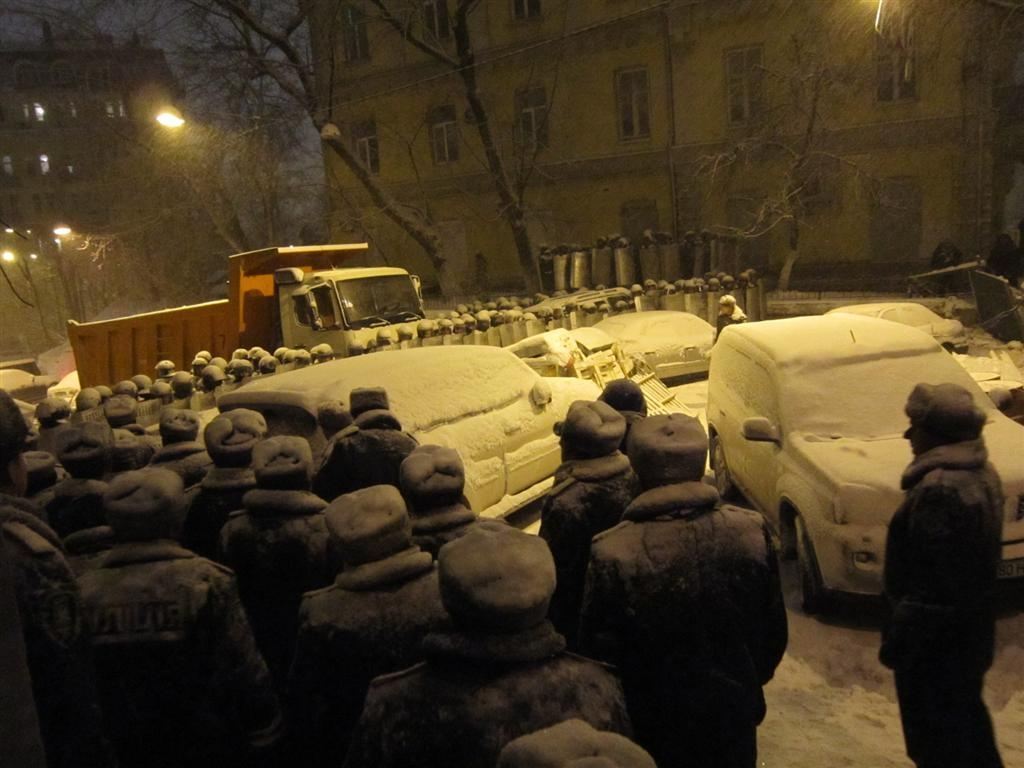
{"x": 833, "y": 704}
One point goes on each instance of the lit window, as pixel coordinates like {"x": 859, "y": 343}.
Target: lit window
{"x": 44, "y": 164}
{"x": 633, "y": 101}
{"x": 72, "y": 109}
{"x": 365, "y": 145}
{"x": 109, "y": 107}
{"x": 8, "y": 164}
{"x": 353, "y": 33}
{"x": 896, "y": 73}
{"x": 526, "y": 9}
{"x": 26, "y": 110}
{"x": 38, "y": 112}
{"x": 435, "y": 18}
{"x": 121, "y": 111}
{"x": 532, "y": 111}
{"x": 69, "y": 168}
{"x": 444, "y": 137}
{"x": 744, "y": 75}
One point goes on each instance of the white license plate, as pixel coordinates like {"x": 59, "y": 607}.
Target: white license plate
{"x": 1011, "y": 569}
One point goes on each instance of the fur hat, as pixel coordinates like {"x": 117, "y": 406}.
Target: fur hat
{"x": 364, "y": 399}
{"x": 369, "y": 524}
{"x": 947, "y": 411}
{"x": 178, "y": 425}
{"x": 432, "y": 476}
{"x": 573, "y": 744}
{"x": 129, "y": 451}
{"x": 231, "y": 437}
{"x": 668, "y": 448}
{"x": 591, "y": 429}
{"x": 282, "y": 463}
{"x": 332, "y": 416}
{"x": 145, "y": 504}
{"x": 496, "y": 579}
{"x": 84, "y": 449}
{"x": 41, "y": 471}
{"x": 624, "y": 395}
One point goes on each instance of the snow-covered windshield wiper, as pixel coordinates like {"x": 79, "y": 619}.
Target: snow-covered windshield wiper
{"x": 404, "y": 316}
{"x": 370, "y": 321}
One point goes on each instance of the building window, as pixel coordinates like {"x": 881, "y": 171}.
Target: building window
{"x": 72, "y": 109}
{"x": 353, "y": 33}
{"x": 26, "y": 112}
{"x": 365, "y": 146}
{"x": 8, "y": 164}
{"x": 109, "y": 110}
{"x": 69, "y": 168}
{"x": 44, "y": 164}
{"x": 435, "y": 19}
{"x": 526, "y": 9}
{"x": 444, "y": 136}
{"x": 532, "y": 116}
{"x": 744, "y": 78}
{"x": 897, "y": 75}
{"x": 38, "y": 112}
{"x": 121, "y": 110}
{"x": 99, "y": 79}
{"x": 632, "y": 97}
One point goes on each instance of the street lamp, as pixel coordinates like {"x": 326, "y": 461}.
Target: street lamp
{"x": 62, "y": 230}
{"x": 169, "y": 117}
{"x": 7, "y": 256}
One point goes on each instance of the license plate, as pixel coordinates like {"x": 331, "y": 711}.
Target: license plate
{"x": 1011, "y": 569}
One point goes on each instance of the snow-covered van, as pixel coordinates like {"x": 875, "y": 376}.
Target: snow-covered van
{"x": 805, "y": 417}
{"x": 482, "y": 401}
{"x": 292, "y": 296}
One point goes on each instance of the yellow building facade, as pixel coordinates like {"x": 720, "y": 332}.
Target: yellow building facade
{"x": 742, "y": 118}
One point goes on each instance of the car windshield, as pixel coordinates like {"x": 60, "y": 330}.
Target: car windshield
{"x": 369, "y": 301}
{"x": 864, "y": 398}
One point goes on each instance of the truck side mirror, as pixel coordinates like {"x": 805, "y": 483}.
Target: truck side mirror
{"x": 417, "y": 284}
{"x": 759, "y": 430}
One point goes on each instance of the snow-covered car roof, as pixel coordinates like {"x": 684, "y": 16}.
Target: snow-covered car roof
{"x": 643, "y": 332}
{"x": 558, "y": 344}
{"x": 426, "y": 387}
{"x": 876, "y": 308}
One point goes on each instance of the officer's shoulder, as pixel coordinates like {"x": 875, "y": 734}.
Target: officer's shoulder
{"x": 27, "y": 539}
{"x": 212, "y": 565}
{"x": 383, "y": 682}
{"x": 742, "y": 514}
{"x": 625, "y": 525}
{"x": 586, "y": 662}
{"x": 237, "y": 514}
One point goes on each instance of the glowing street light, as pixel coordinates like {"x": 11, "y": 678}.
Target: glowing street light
{"x": 7, "y": 256}
{"x": 9, "y": 230}
{"x": 33, "y": 256}
{"x": 169, "y": 117}
{"x": 62, "y": 230}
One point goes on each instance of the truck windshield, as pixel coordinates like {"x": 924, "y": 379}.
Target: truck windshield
{"x": 369, "y": 301}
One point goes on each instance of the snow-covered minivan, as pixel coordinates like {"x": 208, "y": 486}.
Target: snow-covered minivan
{"x": 482, "y": 401}
{"x": 805, "y": 417}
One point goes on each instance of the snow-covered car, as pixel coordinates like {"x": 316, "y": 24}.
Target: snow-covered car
{"x": 949, "y": 333}
{"x": 579, "y": 298}
{"x": 805, "y": 417}
{"x": 674, "y": 344}
{"x": 482, "y": 401}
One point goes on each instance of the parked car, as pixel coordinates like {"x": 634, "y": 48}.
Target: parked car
{"x": 482, "y": 401}
{"x": 949, "y": 333}
{"x": 579, "y": 298}
{"x": 806, "y": 417}
{"x": 674, "y": 344}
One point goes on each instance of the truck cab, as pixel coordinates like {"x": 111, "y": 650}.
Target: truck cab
{"x": 347, "y": 306}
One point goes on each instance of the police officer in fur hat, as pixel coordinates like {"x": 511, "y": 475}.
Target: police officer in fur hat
{"x": 370, "y": 622}
{"x": 181, "y": 452}
{"x": 277, "y": 544}
{"x": 591, "y": 489}
{"x": 684, "y": 597}
{"x": 432, "y": 480}
{"x": 941, "y": 557}
{"x": 181, "y": 679}
{"x": 573, "y": 744}
{"x": 501, "y": 671}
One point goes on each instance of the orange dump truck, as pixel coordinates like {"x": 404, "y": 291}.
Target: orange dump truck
{"x": 292, "y": 296}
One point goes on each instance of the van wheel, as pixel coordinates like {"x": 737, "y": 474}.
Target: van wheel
{"x": 814, "y": 598}
{"x": 723, "y": 480}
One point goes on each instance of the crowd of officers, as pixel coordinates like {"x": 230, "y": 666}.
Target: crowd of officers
{"x": 230, "y": 599}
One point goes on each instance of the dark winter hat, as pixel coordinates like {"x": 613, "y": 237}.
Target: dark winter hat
{"x": 364, "y": 399}
{"x": 13, "y": 430}
{"x": 668, "y": 448}
{"x": 945, "y": 410}
{"x": 182, "y": 385}
{"x": 120, "y": 410}
{"x": 591, "y": 429}
{"x": 496, "y": 579}
{"x": 231, "y": 437}
{"x": 87, "y": 399}
{"x": 369, "y": 524}
{"x": 178, "y": 425}
{"x": 378, "y": 420}
{"x": 432, "y": 476}
{"x": 41, "y": 471}
{"x": 84, "y": 449}
{"x": 624, "y": 395}
{"x": 126, "y": 387}
{"x": 129, "y": 451}
{"x": 332, "y": 416}
{"x": 145, "y": 504}
{"x": 283, "y": 462}
{"x": 52, "y": 411}
{"x": 573, "y": 744}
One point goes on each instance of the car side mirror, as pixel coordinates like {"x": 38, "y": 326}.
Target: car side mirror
{"x": 1002, "y": 398}
{"x": 759, "y": 430}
